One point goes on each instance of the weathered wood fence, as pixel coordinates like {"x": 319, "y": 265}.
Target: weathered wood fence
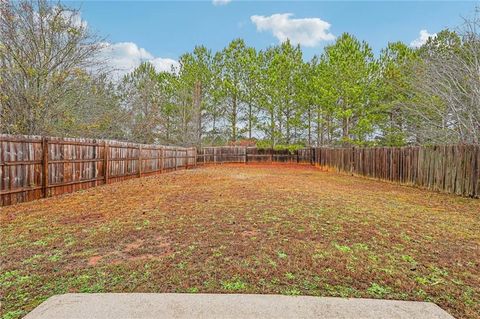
{"x": 33, "y": 167}
{"x": 452, "y": 169}
{"x": 242, "y": 154}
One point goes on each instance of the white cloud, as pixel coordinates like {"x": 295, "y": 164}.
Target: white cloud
{"x": 308, "y": 32}
{"x": 220, "y": 2}
{"x": 164, "y": 64}
{"x": 124, "y": 57}
{"x": 423, "y": 36}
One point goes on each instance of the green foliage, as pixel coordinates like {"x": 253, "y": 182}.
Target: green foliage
{"x": 264, "y": 144}
{"x": 409, "y": 259}
{"x": 378, "y": 291}
{"x": 292, "y": 292}
{"x": 13, "y": 314}
{"x": 192, "y": 290}
{"x": 234, "y": 284}
{"x": 434, "y": 277}
{"x": 341, "y": 291}
{"x": 40, "y": 242}
{"x": 347, "y": 78}
{"x": 289, "y": 276}
{"x": 344, "y": 249}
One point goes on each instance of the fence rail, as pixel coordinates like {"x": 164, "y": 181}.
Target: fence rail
{"x": 452, "y": 168}
{"x": 33, "y": 167}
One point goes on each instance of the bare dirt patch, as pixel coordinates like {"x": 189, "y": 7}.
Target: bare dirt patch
{"x": 248, "y": 229}
{"x": 94, "y": 260}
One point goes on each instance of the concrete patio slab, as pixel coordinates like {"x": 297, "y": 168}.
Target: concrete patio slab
{"x": 148, "y": 305}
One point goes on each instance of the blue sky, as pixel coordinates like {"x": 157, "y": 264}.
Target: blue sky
{"x": 168, "y": 29}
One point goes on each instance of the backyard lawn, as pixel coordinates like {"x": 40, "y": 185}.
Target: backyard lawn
{"x": 267, "y": 229}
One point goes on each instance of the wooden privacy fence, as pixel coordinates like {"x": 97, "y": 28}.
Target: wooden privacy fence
{"x": 453, "y": 169}
{"x": 32, "y": 167}
{"x": 242, "y": 154}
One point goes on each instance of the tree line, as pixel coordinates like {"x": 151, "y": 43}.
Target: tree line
{"x": 53, "y": 82}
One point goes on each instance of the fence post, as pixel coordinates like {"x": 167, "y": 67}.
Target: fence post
{"x": 187, "y": 158}
{"x": 158, "y": 152}
{"x": 298, "y": 159}
{"x": 271, "y": 155}
{"x": 476, "y": 170}
{"x": 95, "y": 147}
{"x": 45, "y": 156}
{"x": 140, "y": 161}
{"x": 162, "y": 159}
{"x": 195, "y": 158}
{"x": 352, "y": 159}
{"x": 105, "y": 161}
{"x": 246, "y": 154}
{"x": 176, "y": 158}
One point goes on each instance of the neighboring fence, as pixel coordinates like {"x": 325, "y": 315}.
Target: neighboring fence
{"x": 33, "y": 167}
{"x": 242, "y": 154}
{"x": 453, "y": 169}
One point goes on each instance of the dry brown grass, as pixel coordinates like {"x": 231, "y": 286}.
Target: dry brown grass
{"x": 248, "y": 229}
